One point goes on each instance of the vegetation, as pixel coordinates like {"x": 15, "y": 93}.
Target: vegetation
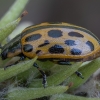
{"x": 23, "y": 82}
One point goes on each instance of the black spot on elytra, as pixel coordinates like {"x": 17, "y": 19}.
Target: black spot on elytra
{"x": 55, "y": 33}
{"x": 38, "y": 51}
{"x": 75, "y": 51}
{"x": 56, "y": 49}
{"x": 33, "y": 37}
{"x": 46, "y": 42}
{"x": 27, "y": 48}
{"x": 90, "y": 44}
{"x": 76, "y": 34}
{"x": 70, "y": 42}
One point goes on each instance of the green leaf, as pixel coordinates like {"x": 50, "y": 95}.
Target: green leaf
{"x": 87, "y": 70}
{"x": 57, "y": 77}
{"x": 6, "y": 30}
{"x": 70, "y": 97}
{"x": 32, "y": 73}
{"x": 32, "y": 93}
{"x": 13, "y": 12}
{"x": 15, "y": 69}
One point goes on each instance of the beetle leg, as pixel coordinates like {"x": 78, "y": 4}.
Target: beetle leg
{"x": 79, "y": 74}
{"x": 83, "y": 94}
{"x": 64, "y": 63}
{"x": 21, "y": 58}
{"x": 68, "y": 63}
{"x": 43, "y": 75}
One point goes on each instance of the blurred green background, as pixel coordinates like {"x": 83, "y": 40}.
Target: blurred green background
{"x": 85, "y": 13}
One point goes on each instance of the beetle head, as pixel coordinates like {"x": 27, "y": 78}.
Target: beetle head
{"x": 4, "y": 54}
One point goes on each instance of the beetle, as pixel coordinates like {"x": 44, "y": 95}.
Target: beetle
{"x": 58, "y": 42}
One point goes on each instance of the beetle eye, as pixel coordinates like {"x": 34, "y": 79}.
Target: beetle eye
{"x": 4, "y": 54}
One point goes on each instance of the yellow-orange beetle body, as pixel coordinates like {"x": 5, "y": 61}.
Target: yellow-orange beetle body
{"x": 55, "y": 41}
{"x": 58, "y": 42}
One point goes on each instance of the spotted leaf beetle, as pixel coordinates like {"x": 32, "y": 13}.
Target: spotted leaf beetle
{"x": 61, "y": 41}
